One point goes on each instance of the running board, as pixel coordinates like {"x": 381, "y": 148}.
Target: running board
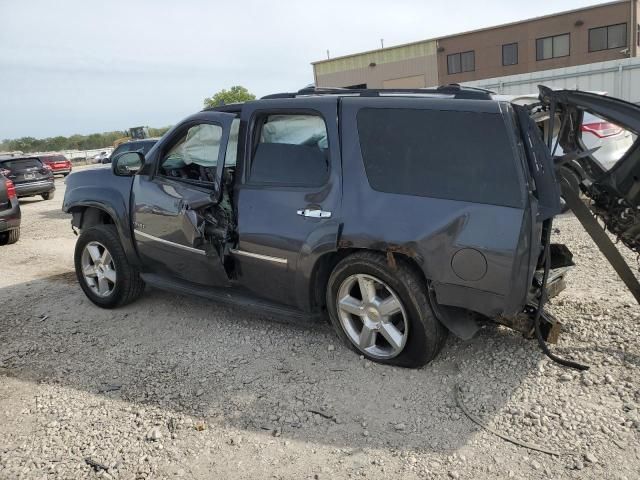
{"x": 232, "y": 296}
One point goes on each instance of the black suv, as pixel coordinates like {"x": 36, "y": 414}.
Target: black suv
{"x": 401, "y": 214}
{"x": 29, "y": 175}
{"x": 9, "y": 212}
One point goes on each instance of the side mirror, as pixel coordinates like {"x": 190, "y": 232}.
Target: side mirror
{"x": 127, "y": 163}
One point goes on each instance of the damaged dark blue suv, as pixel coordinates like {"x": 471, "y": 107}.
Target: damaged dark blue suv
{"x": 401, "y": 214}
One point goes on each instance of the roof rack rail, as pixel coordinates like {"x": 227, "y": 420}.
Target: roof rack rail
{"x": 457, "y": 91}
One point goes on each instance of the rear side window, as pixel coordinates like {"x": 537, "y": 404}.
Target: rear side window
{"x": 453, "y": 155}
{"x": 291, "y": 149}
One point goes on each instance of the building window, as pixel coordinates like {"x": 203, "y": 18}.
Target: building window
{"x": 606, "y": 38}
{"x": 461, "y": 62}
{"x": 510, "y": 54}
{"x": 552, "y": 47}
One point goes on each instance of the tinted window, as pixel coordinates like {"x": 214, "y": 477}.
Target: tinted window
{"x": 611, "y": 36}
{"x": 53, "y": 158}
{"x": 461, "y": 62}
{"x": 21, "y": 163}
{"x": 552, "y": 47}
{"x": 510, "y": 54}
{"x": 291, "y": 150}
{"x": 444, "y": 154}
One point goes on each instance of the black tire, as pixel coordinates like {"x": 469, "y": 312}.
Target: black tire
{"x": 128, "y": 286}
{"x": 12, "y": 236}
{"x": 48, "y": 195}
{"x": 426, "y": 335}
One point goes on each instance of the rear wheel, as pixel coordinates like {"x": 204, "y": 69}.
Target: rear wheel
{"x": 102, "y": 268}
{"x": 12, "y": 236}
{"x": 383, "y": 313}
{"x": 48, "y": 195}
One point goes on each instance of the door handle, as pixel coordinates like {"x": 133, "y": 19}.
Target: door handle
{"x": 314, "y": 213}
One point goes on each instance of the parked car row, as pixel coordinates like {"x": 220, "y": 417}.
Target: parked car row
{"x": 28, "y": 176}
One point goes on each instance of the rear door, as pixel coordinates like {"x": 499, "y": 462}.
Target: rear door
{"x": 288, "y": 199}
{"x": 178, "y": 186}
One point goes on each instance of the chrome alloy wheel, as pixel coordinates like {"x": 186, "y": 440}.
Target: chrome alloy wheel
{"x": 98, "y": 269}
{"x": 372, "y": 316}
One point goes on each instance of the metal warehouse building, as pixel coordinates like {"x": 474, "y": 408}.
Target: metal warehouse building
{"x": 599, "y": 33}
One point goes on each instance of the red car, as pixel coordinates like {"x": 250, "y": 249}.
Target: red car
{"x": 59, "y": 164}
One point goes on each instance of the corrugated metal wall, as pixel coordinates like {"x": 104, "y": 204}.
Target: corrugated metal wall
{"x": 619, "y": 78}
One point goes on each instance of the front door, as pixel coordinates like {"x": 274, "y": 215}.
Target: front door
{"x": 288, "y": 200}
{"x": 179, "y": 185}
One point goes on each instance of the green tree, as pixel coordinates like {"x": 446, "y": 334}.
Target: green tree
{"x": 235, "y": 94}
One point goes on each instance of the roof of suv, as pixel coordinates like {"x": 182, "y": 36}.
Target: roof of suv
{"x": 447, "y": 91}
{"x": 452, "y": 91}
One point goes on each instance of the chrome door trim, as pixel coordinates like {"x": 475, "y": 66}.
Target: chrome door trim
{"x": 259, "y": 256}
{"x": 167, "y": 242}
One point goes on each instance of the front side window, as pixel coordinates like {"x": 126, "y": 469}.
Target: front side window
{"x": 552, "y": 47}
{"x": 510, "y": 54}
{"x": 195, "y": 155}
{"x": 606, "y": 38}
{"x": 461, "y": 62}
{"x": 290, "y": 149}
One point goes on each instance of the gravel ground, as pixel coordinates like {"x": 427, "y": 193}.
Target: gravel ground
{"x": 173, "y": 386}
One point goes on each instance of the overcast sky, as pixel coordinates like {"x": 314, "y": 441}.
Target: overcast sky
{"x": 78, "y": 66}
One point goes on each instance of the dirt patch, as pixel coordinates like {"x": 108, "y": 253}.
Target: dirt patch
{"x": 174, "y": 386}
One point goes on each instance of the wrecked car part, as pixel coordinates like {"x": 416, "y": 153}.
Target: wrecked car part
{"x": 542, "y": 300}
{"x": 524, "y": 322}
{"x": 599, "y": 236}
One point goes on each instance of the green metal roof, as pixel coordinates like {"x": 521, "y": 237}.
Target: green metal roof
{"x": 381, "y": 56}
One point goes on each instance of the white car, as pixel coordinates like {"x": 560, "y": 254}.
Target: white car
{"x": 612, "y": 140}
{"x": 100, "y": 157}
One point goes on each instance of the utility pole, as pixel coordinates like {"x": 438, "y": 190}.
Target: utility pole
{"x": 382, "y": 42}
{"x": 328, "y": 57}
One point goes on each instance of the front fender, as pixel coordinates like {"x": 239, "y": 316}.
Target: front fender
{"x": 108, "y": 193}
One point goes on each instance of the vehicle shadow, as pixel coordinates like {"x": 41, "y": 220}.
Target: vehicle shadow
{"x": 237, "y": 369}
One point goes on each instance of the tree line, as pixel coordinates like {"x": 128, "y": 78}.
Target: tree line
{"x": 235, "y": 94}
{"x": 74, "y": 142}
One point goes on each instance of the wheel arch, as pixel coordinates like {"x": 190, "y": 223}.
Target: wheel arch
{"x": 90, "y": 214}
{"x": 461, "y": 322}
{"x": 326, "y": 263}
{"x": 87, "y": 216}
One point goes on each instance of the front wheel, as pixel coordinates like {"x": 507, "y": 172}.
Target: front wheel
{"x": 102, "y": 269}
{"x": 383, "y": 313}
{"x": 48, "y": 195}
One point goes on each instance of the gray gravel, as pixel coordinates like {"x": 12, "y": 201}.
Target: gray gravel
{"x": 173, "y": 387}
